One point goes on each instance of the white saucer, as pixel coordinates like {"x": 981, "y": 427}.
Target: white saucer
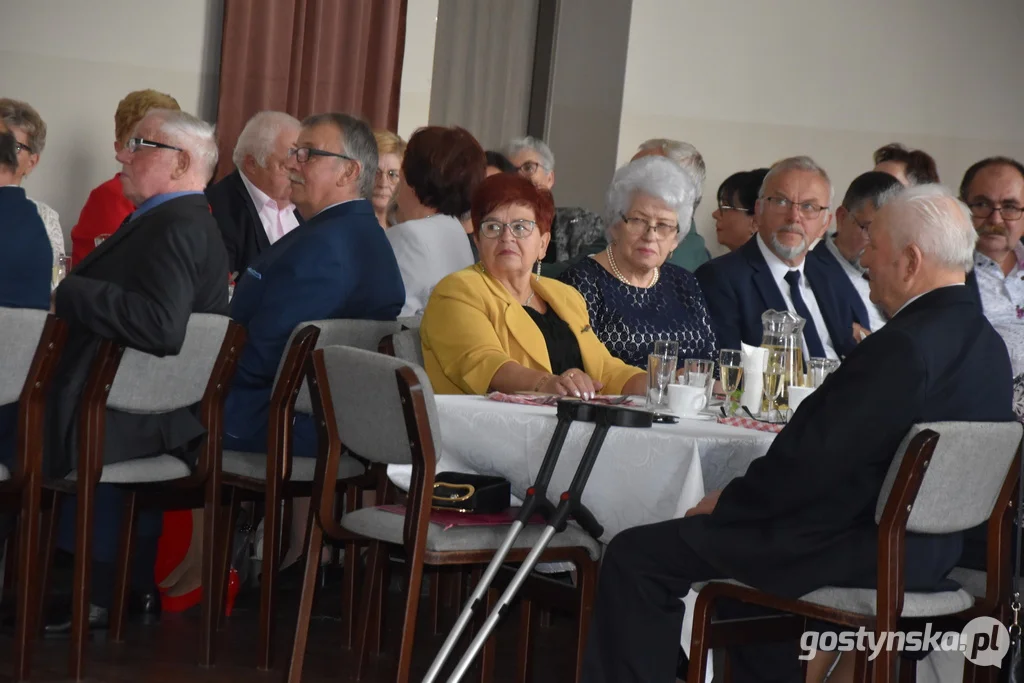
{"x": 703, "y": 417}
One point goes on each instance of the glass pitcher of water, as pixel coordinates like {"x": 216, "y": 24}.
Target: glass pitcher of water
{"x": 783, "y": 331}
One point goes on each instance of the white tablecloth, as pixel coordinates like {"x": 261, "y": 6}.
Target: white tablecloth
{"x": 641, "y": 475}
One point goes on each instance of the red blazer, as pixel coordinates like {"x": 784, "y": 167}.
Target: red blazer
{"x": 104, "y": 211}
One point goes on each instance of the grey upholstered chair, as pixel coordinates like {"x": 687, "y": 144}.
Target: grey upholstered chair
{"x": 131, "y": 381}
{"x": 383, "y": 408}
{"x": 276, "y": 476}
{"x": 31, "y": 343}
{"x": 946, "y": 477}
{"x": 405, "y": 345}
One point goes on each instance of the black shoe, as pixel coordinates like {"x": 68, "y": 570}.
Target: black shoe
{"x": 144, "y": 608}
{"x": 58, "y": 623}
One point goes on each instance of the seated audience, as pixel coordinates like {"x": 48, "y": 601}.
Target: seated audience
{"x": 252, "y": 204}
{"x": 496, "y": 326}
{"x": 138, "y": 288}
{"x": 847, "y": 245}
{"x": 25, "y": 267}
{"x": 802, "y": 516}
{"x": 633, "y": 295}
{"x": 909, "y": 166}
{"x": 775, "y": 271}
{"x": 441, "y": 170}
{"x": 390, "y": 151}
{"x": 107, "y": 207}
{"x": 734, "y": 217}
{"x": 338, "y": 264}
{"x": 29, "y": 130}
{"x": 691, "y": 252}
{"x": 498, "y": 163}
{"x": 993, "y": 190}
{"x": 572, "y": 228}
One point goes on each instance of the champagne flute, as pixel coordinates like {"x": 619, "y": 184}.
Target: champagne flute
{"x": 774, "y": 370}
{"x": 730, "y": 363}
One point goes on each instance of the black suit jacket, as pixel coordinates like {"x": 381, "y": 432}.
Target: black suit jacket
{"x": 829, "y": 259}
{"x": 802, "y": 517}
{"x": 240, "y": 225}
{"x": 739, "y": 287}
{"x": 138, "y": 288}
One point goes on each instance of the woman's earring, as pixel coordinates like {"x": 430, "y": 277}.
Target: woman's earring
{"x": 538, "y": 269}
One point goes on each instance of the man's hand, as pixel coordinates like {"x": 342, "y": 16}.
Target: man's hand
{"x": 706, "y": 505}
{"x": 860, "y": 333}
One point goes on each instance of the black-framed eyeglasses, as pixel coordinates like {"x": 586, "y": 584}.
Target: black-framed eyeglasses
{"x": 135, "y": 143}
{"x": 392, "y": 175}
{"x": 304, "y": 154}
{"x": 530, "y": 167}
{"x": 806, "y": 209}
{"x": 520, "y": 229}
{"x": 726, "y": 207}
{"x": 18, "y": 146}
{"x": 638, "y": 225}
{"x": 983, "y": 210}
{"x": 862, "y": 226}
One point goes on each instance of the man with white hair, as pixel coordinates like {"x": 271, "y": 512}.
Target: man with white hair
{"x": 775, "y": 270}
{"x": 252, "y": 204}
{"x": 802, "y": 517}
{"x": 138, "y": 288}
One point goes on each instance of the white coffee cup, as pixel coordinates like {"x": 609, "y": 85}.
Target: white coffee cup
{"x": 797, "y": 395}
{"x": 685, "y": 400}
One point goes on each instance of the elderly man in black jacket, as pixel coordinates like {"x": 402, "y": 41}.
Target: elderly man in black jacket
{"x": 802, "y": 516}
{"x": 138, "y": 288}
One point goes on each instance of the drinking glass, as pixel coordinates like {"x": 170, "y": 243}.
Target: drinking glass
{"x": 700, "y": 372}
{"x": 774, "y": 372}
{"x": 730, "y": 366}
{"x": 820, "y": 368}
{"x": 60, "y": 270}
{"x": 661, "y": 371}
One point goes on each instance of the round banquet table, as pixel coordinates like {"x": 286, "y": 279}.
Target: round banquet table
{"x": 641, "y": 475}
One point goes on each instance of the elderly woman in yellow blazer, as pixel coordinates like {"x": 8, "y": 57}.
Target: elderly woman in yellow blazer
{"x": 496, "y": 326}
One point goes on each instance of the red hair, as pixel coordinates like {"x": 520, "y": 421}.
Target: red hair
{"x": 503, "y": 189}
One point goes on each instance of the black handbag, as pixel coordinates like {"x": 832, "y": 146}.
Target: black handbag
{"x": 1016, "y": 667}
{"x": 475, "y": 493}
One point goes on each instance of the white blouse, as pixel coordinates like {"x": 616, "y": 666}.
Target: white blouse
{"x": 53, "y": 230}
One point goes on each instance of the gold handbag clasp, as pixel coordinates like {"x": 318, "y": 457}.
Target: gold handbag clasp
{"x": 469, "y": 488}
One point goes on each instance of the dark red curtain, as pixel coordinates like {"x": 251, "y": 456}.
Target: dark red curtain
{"x": 309, "y": 56}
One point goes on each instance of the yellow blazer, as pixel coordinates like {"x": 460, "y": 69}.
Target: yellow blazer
{"x": 472, "y": 326}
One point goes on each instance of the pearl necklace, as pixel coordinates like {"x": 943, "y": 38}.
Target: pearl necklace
{"x": 616, "y": 273}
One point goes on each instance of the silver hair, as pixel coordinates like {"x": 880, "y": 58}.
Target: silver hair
{"x": 197, "y": 137}
{"x": 684, "y": 154}
{"x": 655, "y": 176}
{"x": 517, "y": 145}
{"x": 259, "y": 137}
{"x": 801, "y": 163}
{"x": 357, "y": 141}
{"x": 932, "y": 218}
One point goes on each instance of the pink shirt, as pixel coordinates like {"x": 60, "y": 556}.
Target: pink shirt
{"x": 277, "y": 221}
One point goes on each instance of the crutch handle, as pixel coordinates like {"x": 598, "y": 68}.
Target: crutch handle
{"x": 585, "y": 518}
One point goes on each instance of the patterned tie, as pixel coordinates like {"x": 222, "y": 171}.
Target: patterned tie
{"x": 814, "y": 346}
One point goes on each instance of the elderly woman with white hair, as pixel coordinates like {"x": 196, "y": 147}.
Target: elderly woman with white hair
{"x": 633, "y": 295}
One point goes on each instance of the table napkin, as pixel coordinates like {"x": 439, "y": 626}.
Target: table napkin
{"x": 753, "y": 359}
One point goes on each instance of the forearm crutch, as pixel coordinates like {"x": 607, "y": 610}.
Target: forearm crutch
{"x": 569, "y": 504}
{"x": 536, "y": 501}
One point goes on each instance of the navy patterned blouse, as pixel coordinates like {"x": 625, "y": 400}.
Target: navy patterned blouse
{"x": 629, "y": 319}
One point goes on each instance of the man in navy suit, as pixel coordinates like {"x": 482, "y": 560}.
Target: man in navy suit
{"x": 802, "y": 516}
{"x": 337, "y": 264}
{"x": 775, "y": 271}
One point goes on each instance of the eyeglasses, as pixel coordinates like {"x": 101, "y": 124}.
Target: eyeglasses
{"x": 725, "y": 207}
{"x": 135, "y": 143}
{"x": 18, "y": 146}
{"x": 530, "y": 167}
{"x": 1010, "y": 212}
{"x": 806, "y": 209}
{"x": 862, "y": 226}
{"x": 520, "y": 229}
{"x": 637, "y": 225}
{"x": 392, "y": 176}
{"x": 304, "y": 154}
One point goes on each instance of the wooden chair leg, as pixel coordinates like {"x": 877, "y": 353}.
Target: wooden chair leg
{"x": 80, "y": 591}
{"x": 348, "y": 589}
{"x": 268, "y": 580}
{"x": 25, "y": 548}
{"x": 908, "y": 670}
{"x": 50, "y": 520}
{"x": 524, "y": 663}
{"x": 586, "y": 587}
{"x": 434, "y": 593}
{"x": 487, "y": 653}
{"x": 861, "y": 670}
{"x": 123, "y": 569}
{"x": 225, "y": 544}
{"x": 314, "y": 544}
{"x": 412, "y": 603}
{"x": 374, "y": 570}
{"x": 702, "y": 609}
{"x": 211, "y": 579}
{"x": 11, "y": 557}
{"x": 545, "y": 617}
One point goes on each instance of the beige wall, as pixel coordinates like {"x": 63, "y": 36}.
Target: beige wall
{"x": 418, "y": 66}
{"x": 749, "y": 82}
{"x": 75, "y": 60}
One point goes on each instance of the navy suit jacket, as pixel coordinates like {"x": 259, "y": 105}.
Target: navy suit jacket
{"x": 802, "y": 516}
{"x": 26, "y": 267}
{"x": 339, "y": 264}
{"x": 829, "y": 259}
{"x": 739, "y": 287}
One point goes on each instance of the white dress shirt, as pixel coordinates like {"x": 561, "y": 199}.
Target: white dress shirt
{"x": 875, "y": 317}
{"x": 277, "y": 220}
{"x": 428, "y": 249}
{"x": 779, "y": 269}
{"x": 1002, "y": 299}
